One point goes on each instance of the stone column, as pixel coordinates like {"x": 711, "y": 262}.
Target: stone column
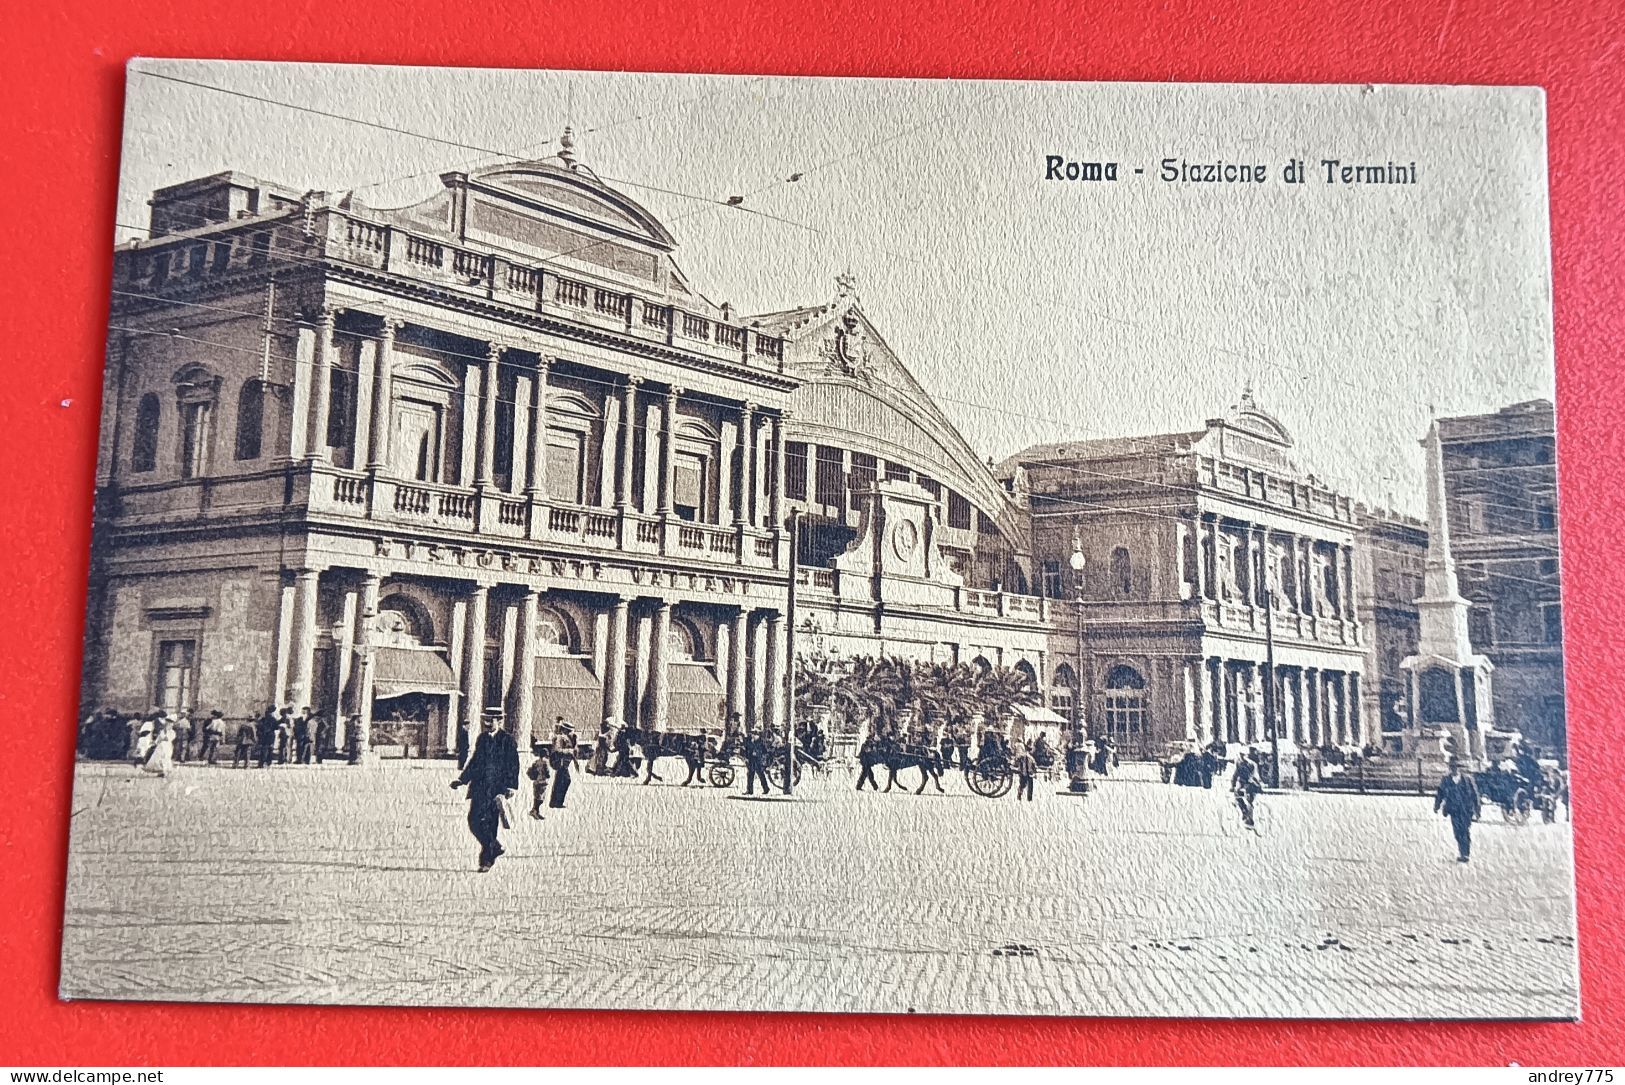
{"x": 1311, "y": 682}
{"x": 522, "y": 700}
{"x": 321, "y": 386}
{"x": 287, "y": 597}
{"x": 668, "y": 433}
{"x": 507, "y": 653}
{"x": 485, "y": 453}
{"x": 753, "y": 475}
{"x": 1350, "y": 604}
{"x": 536, "y": 471}
{"x": 367, "y": 641}
{"x": 303, "y": 661}
{"x": 747, "y": 430}
{"x": 345, "y": 653}
{"x": 520, "y": 444}
{"x": 383, "y": 395}
{"x": 623, "y": 481}
{"x": 659, "y": 663}
{"x": 773, "y": 679}
{"x": 1206, "y": 556}
{"x": 640, "y": 670}
{"x": 1295, "y": 684}
{"x": 775, "y": 493}
{"x": 615, "y": 663}
{"x": 1306, "y": 575}
{"x": 1195, "y": 672}
{"x": 1215, "y": 701}
{"x": 474, "y": 661}
{"x": 738, "y": 650}
{"x": 1356, "y": 717}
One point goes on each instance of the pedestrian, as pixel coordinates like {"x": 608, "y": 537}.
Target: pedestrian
{"x": 325, "y": 729}
{"x": 563, "y": 760}
{"x": 1026, "y": 767}
{"x": 146, "y": 733}
{"x": 538, "y": 773}
{"x": 132, "y": 748}
{"x": 599, "y": 765}
{"x": 945, "y": 748}
{"x": 244, "y": 753}
{"x": 756, "y": 763}
{"x": 868, "y": 758}
{"x": 161, "y": 757}
{"x": 1457, "y": 798}
{"x": 265, "y": 732}
{"x": 491, "y": 776}
{"x": 1246, "y": 786}
{"x": 183, "y": 737}
{"x": 213, "y": 733}
{"x": 284, "y": 735}
{"x": 1102, "y": 758}
{"x": 301, "y": 737}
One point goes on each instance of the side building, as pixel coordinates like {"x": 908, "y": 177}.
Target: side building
{"x": 1500, "y": 480}
{"x": 1198, "y": 548}
{"x": 1389, "y": 557}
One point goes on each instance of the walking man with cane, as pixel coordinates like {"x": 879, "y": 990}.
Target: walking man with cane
{"x": 491, "y": 775}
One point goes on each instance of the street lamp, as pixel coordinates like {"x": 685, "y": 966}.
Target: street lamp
{"x": 1077, "y": 562}
{"x": 1270, "y": 727}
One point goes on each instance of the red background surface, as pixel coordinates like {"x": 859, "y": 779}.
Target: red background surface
{"x": 63, "y": 94}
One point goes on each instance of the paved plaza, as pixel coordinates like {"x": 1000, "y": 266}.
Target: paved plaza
{"x": 330, "y": 884}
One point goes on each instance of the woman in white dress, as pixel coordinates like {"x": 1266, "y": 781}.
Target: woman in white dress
{"x": 144, "y": 737}
{"x": 162, "y": 757}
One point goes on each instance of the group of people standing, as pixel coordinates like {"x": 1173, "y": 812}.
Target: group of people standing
{"x": 154, "y": 742}
{"x": 282, "y": 737}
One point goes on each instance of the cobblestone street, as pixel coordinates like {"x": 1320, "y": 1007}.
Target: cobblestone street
{"x": 336, "y": 885}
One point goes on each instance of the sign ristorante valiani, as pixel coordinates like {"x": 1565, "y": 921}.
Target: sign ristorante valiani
{"x": 639, "y": 541}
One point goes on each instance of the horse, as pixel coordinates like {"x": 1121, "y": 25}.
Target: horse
{"x": 896, "y": 756}
{"x": 657, "y": 744}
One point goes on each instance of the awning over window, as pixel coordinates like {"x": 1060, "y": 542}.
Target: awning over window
{"x": 566, "y": 686}
{"x": 695, "y": 695}
{"x": 399, "y": 671}
{"x": 1037, "y": 713}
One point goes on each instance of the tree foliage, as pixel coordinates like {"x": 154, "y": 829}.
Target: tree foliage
{"x": 870, "y": 690}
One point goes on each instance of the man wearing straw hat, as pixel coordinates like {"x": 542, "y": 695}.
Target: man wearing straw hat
{"x": 491, "y": 776}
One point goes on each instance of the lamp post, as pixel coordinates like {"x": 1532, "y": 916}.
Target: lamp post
{"x": 1270, "y": 727}
{"x": 789, "y": 691}
{"x": 1077, "y": 562}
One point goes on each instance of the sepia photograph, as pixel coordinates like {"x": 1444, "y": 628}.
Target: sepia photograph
{"x": 679, "y": 542}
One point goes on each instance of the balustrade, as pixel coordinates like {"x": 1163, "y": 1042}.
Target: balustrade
{"x": 425, "y": 253}
{"x": 349, "y": 491}
{"x": 511, "y": 514}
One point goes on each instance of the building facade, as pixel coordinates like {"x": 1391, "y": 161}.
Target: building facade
{"x": 493, "y": 450}
{"x": 1390, "y": 553}
{"x": 1199, "y": 549}
{"x": 1500, "y": 480}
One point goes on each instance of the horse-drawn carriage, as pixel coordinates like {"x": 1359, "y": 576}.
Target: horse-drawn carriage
{"x": 709, "y": 757}
{"x": 1519, "y": 790}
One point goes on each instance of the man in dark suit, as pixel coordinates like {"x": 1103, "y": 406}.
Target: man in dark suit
{"x": 491, "y": 775}
{"x": 1457, "y": 797}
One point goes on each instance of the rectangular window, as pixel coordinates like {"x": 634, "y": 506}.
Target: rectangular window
{"x": 340, "y": 408}
{"x": 1545, "y": 514}
{"x": 1551, "y": 615}
{"x": 795, "y": 470}
{"x": 688, "y": 486}
{"x": 1472, "y": 515}
{"x": 829, "y": 485}
{"x": 176, "y": 659}
{"x": 1125, "y": 714}
{"x": 896, "y": 472}
{"x": 1548, "y": 567}
{"x": 958, "y": 512}
{"x": 564, "y": 466}
{"x": 418, "y": 433}
{"x": 195, "y": 424}
{"x": 930, "y": 486}
{"x": 861, "y": 481}
{"x": 1052, "y": 580}
{"x": 1481, "y": 627}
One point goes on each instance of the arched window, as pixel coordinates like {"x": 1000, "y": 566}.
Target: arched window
{"x": 250, "y": 419}
{"x": 402, "y": 622}
{"x": 1122, "y": 572}
{"x": 1064, "y": 689}
{"x": 1125, "y": 703}
{"x": 553, "y": 635}
{"x": 683, "y": 642}
{"x": 144, "y": 454}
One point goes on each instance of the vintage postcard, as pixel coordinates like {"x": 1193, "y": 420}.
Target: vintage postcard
{"x": 653, "y": 541}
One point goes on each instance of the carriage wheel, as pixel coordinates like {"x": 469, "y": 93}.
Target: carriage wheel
{"x": 1516, "y": 812}
{"x": 775, "y": 773}
{"x": 989, "y": 781}
{"x": 722, "y": 775}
